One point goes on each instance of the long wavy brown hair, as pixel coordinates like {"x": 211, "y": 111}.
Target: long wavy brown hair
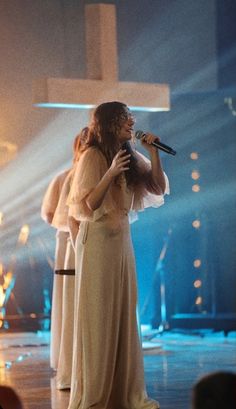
{"x": 103, "y": 133}
{"x": 79, "y": 141}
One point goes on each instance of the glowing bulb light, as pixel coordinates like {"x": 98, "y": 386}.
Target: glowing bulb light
{"x": 196, "y": 224}
{"x": 198, "y": 301}
{"x": 194, "y": 156}
{"x": 196, "y": 188}
{"x": 195, "y": 175}
{"x": 197, "y": 283}
{"x": 197, "y": 263}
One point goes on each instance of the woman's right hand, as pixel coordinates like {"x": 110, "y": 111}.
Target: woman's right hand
{"x": 120, "y": 163}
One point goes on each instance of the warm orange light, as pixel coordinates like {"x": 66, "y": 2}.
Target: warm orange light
{"x": 198, "y": 301}
{"x": 195, "y": 188}
{"x": 195, "y": 174}
{"x": 194, "y": 155}
{"x": 33, "y": 315}
{"x": 2, "y": 296}
{"x": 197, "y": 263}
{"x": 24, "y": 234}
{"x": 197, "y": 283}
{"x": 7, "y": 280}
{"x": 1, "y": 269}
{"x": 196, "y": 224}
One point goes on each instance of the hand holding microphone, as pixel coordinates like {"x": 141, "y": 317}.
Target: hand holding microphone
{"x": 159, "y": 145}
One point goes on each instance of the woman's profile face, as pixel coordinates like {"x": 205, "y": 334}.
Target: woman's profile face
{"x": 126, "y": 128}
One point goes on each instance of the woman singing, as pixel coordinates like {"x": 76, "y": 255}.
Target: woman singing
{"x": 110, "y": 180}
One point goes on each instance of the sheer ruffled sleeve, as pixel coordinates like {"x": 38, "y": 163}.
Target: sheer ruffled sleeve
{"x": 51, "y": 197}
{"x": 90, "y": 169}
{"x": 143, "y": 193}
{"x": 60, "y": 218}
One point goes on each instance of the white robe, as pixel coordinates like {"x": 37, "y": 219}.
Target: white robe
{"x": 49, "y": 209}
{"x": 66, "y": 342}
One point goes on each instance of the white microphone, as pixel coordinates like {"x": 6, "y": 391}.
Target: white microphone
{"x": 159, "y": 145}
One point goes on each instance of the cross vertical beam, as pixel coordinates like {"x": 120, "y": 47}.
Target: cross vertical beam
{"x": 102, "y": 82}
{"x": 101, "y": 49}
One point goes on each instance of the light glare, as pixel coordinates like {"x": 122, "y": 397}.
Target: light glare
{"x": 24, "y": 234}
{"x": 90, "y": 106}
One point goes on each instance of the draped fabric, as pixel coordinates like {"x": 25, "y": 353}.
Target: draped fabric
{"x": 107, "y": 371}
{"x": 64, "y": 367}
{"x": 57, "y": 296}
{"x": 90, "y": 169}
{"x": 63, "y": 300}
{"x": 55, "y": 212}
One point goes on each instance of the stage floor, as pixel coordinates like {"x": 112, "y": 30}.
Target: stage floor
{"x": 173, "y": 362}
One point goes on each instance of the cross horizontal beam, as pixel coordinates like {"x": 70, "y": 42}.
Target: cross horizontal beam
{"x": 80, "y": 93}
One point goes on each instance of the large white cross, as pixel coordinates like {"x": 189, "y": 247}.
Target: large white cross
{"x": 102, "y": 83}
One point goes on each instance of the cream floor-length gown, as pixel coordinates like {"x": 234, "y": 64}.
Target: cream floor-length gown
{"x": 60, "y": 221}
{"x": 57, "y": 297}
{"x": 64, "y": 368}
{"x": 107, "y": 370}
{"x": 48, "y": 211}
